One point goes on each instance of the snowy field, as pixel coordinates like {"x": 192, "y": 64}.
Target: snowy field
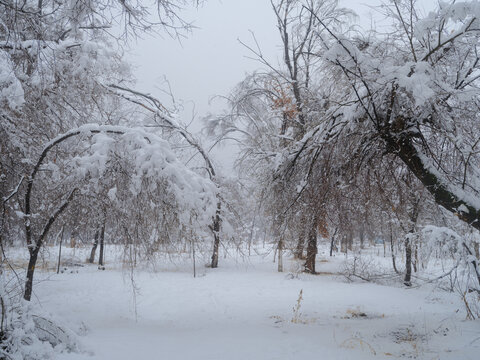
{"x": 247, "y": 310}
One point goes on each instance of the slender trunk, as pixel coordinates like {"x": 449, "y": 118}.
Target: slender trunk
{"x": 216, "y": 237}
{"x": 343, "y": 244}
{"x": 408, "y": 263}
{"x": 38, "y": 244}
{"x": 311, "y": 250}
{"x": 94, "y": 248}
{"x": 332, "y": 242}
{"x": 474, "y": 263}
{"x": 193, "y": 255}
{"x": 60, "y": 250}
{"x": 30, "y": 271}
{"x": 476, "y": 248}
{"x": 280, "y": 255}
{"x": 102, "y": 244}
{"x": 300, "y": 246}
{"x": 362, "y": 237}
{"x": 414, "y": 263}
{"x": 216, "y": 245}
{"x": 408, "y": 244}
{"x": 392, "y": 250}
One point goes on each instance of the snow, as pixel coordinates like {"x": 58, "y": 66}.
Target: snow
{"x": 11, "y": 90}
{"x": 244, "y": 310}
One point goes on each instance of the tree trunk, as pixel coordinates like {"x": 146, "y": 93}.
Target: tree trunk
{"x": 280, "y": 255}
{"x": 30, "y": 270}
{"x": 343, "y": 244}
{"x": 311, "y": 250}
{"x": 476, "y": 248}
{"x": 414, "y": 263}
{"x": 408, "y": 263}
{"x": 332, "y": 242}
{"x": 401, "y": 144}
{"x": 102, "y": 244}
{"x": 392, "y": 250}
{"x": 60, "y": 250}
{"x": 362, "y": 237}
{"x": 300, "y": 246}
{"x": 216, "y": 238}
{"x": 350, "y": 241}
{"x": 474, "y": 263}
{"x": 94, "y": 248}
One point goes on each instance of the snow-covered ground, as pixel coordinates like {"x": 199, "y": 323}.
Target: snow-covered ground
{"x": 247, "y": 310}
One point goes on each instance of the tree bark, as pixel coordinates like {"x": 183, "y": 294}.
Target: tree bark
{"x": 311, "y": 250}
{"x": 102, "y": 244}
{"x": 34, "y": 248}
{"x": 362, "y": 237}
{"x": 401, "y": 144}
{"x": 414, "y": 263}
{"x": 300, "y": 246}
{"x": 392, "y": 250}
{"x": 280, "y": 255}
{"x": 408, "y": 263}
{"x": 91, "y": 259}
{"x": 474, "y": 263}
{"x": 30, "y": 271}
{"x": 60, "y": 250}
{"x": 343, "y": 244}
{"x": 350, "y": 241}
{"x": 216, "y": 237}
{"x": 332, "y": 242}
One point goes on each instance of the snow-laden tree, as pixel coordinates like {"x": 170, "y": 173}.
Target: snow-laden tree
{"x": 272, "y": 110}
{"x": 144, "y": 173}
{"x": 58, "y": 60}
{"x": 415, "y": 91}
{"x": 409, "y": 94}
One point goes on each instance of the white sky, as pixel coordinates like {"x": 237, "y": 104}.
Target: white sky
{"x": 211, "y": 61}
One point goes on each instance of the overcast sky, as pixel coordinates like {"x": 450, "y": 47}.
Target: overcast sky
{"x": 211, "y": 61}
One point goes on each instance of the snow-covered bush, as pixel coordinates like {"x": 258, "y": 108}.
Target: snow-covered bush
{"x": 459, "y": 261}
{"x": 28, "y": 334}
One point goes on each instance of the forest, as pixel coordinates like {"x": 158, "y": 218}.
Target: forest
{"x": 347, "y": 227}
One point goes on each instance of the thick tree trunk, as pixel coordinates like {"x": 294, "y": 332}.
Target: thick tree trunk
{"x": 311, "y": 250}
{"x": 401, "y": 144}
{"x": 91, "y": 259}
{"x": 102, "y": 244}
{"x": 408, "y": 263}
{"x": 30, "y": 271}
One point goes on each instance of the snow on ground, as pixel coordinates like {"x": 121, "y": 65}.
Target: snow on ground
{"x": 246, "y": 310}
